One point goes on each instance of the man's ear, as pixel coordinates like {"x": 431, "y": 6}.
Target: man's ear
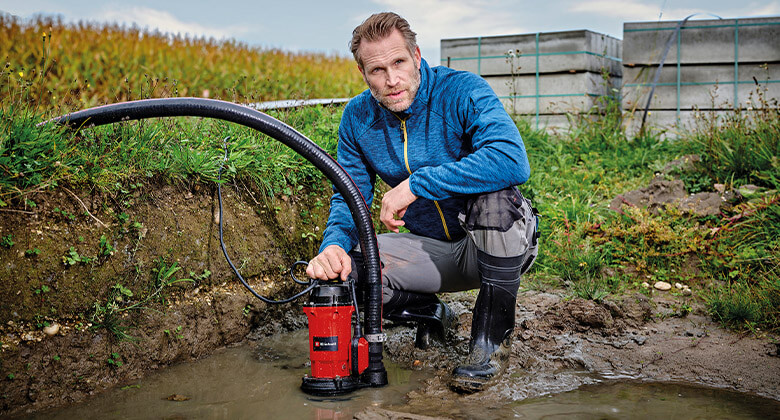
{"x": 417, "y": 57}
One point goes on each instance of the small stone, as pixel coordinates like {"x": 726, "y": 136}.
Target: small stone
{"x": 645, "y": 285}
{"x": 678, "y": 286}
{"x": 686, "y": 292}
{"x": 662, "y": 286}
{"x": 52, "y": 329}
{"x": 177, "y": 397}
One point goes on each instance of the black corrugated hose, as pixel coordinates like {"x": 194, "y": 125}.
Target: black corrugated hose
{"x": 375, "y": 374}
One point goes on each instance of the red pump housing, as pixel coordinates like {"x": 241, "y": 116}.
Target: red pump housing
{"x": 337, "y": 356}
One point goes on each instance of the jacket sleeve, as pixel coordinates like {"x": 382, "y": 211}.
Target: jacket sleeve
{"x": 340, "y": 229}
{"x": 498, "y": 158}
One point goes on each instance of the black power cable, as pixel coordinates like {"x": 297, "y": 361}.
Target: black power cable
{"x": 312, "y": 284}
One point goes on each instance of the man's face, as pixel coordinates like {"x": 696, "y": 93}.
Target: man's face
{"x": 391, "y": 72}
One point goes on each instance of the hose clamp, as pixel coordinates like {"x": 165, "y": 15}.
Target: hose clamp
{"x": 376, "y": 338}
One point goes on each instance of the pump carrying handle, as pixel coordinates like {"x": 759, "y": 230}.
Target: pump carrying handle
{"x": 375, "y": 374}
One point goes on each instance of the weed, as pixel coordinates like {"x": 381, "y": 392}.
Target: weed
{"x": 64, "y": 213}
{"x": 41, "y": 290}
{"x": 175, "y": 334}
{"x": 73, "y": 257}
{"x": 113, "y": 361}
{"x": 105, "y": 249}
{"x": 734, "y": 306}
{"x": 595, "y": 290}
{"x": 107, "y": 314}
{"x": 7, "y": 241}
{"x": 197, "y": 278}
{"x": 163, "y": 278}
{"x": 34, "y": 252}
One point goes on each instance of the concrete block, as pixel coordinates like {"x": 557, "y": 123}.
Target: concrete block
{"x": 696, "y": 90}
{"x": 568, "y": 51}
{"x": 559, "y": 93}
{"x": 703, "y": 41}
{"x": 667, "y": 125}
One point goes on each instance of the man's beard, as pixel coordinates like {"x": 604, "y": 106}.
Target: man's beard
{"x": 395, "y": 106}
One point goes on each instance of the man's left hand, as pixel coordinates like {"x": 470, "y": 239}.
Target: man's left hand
{"x": 394, "y": 203}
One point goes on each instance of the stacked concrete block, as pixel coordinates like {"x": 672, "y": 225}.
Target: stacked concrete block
{"x": 713, "y": 67}
{"x": 542, "y": 76}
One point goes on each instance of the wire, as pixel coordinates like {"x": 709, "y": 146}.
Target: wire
{"x": 312, "y": 284}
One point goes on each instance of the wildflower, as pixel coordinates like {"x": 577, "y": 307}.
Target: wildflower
{"x": 583, "y": 264}
{"x": 21, "y": 74}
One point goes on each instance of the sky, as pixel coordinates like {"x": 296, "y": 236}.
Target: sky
{"x": 325, "y": 26}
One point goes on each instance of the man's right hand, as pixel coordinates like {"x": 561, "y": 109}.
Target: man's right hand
{"x": 333, "y": 262}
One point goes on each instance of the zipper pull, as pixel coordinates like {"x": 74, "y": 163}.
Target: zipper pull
{"x": 403, "y": 129}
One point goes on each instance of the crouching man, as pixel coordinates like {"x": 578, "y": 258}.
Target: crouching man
{"x": 453, "y": 157}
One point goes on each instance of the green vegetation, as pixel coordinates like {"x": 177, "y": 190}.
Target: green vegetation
{"x": 729, "y": 259}
{"x": 593, "y": 251}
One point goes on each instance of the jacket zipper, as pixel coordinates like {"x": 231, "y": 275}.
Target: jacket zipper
{"x": 408, "y": 169}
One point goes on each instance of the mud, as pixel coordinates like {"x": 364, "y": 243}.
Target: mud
{"x": 563, "y": 344}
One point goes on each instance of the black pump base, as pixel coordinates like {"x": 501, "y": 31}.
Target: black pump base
{"x": 328, "y": 387}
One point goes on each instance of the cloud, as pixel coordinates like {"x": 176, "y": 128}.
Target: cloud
{"x": 164, "y": 21}
{"x": 634, "y": 10}
{"x": 767, "y": 10}
{"x": 434, "y": 20}
{"x": 628, "y": 10}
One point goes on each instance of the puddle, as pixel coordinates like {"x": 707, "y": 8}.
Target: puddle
{"x": 262, "y": 379}
{"x": 647, "y": 401}
{"x": 253, "y": 381}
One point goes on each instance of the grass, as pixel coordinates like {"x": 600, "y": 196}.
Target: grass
{"x": 593, "y": 251}
{"x": 586, "y": 247}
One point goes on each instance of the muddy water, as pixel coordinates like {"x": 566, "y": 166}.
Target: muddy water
{"x": 261, "y": 381}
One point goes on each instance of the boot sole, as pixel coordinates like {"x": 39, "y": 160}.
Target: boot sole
{"x": 469, "y": 385}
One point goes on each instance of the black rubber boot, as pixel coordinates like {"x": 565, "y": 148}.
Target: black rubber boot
{"x": 432, "y": 316}
{"x": 492, "y": 325}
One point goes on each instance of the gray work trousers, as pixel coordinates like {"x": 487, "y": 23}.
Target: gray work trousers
{"x": 501, "y": 224}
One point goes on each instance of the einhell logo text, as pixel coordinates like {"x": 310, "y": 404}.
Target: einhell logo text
{"x": 326, "y": 343}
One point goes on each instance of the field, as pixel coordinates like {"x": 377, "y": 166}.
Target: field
{"x": 729, "y": 259}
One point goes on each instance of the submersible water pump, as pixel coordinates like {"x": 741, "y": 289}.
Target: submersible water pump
{"x": 341, "y": 361}
{"x": 337, "y": 349}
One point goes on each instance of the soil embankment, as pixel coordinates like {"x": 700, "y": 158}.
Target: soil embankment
{"x": 88, "y": 299}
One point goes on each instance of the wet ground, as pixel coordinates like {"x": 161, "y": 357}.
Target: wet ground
{"x": 260, "y": 379}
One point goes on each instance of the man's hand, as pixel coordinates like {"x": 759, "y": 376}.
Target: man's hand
{"x": 394, "y": 203}
{"x": 333, "y": 262}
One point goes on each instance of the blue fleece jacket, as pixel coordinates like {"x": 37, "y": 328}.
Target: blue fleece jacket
{"x": 455, "y": 139}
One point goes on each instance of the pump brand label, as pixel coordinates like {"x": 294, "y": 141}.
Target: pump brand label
{"x": 326, "y": 343}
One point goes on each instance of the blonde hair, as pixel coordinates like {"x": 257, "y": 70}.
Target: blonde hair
{"x": 379, "y": 26}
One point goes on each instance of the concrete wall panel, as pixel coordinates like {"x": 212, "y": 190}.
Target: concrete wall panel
{"x": 702, "y": 95}
{"x": 560, "y": 93}
{"x": 495, "y": 60}
{"x": 703, "y": 41}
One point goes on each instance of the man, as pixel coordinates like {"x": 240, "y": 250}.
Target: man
{"x": 444, "y": 143}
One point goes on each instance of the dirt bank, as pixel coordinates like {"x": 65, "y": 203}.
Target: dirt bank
{"x": 81, "y": 303}
{"x": 562, "y": 344}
